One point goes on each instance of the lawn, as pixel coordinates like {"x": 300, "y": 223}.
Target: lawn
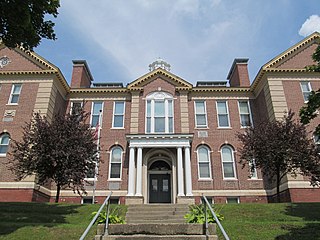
{"x": 242, "y": 221}
{"x": 271, "y": 221}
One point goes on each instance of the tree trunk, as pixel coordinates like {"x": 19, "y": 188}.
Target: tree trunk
{"x": 278, "y": 187}
{"x": 58, "y": 193}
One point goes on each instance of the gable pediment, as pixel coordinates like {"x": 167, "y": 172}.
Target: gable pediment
{"x": 21, "y": 60}
{"x": 178, "y": 82}
{"x": 297, "y": 57}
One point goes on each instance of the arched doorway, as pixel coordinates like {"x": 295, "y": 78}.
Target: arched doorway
{"x": 159, "y": 182}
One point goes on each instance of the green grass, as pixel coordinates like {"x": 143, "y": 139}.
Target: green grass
{"x": 271, "y": 221}
{"x": 242, "y": 221}
{"x": 45, "y": 221}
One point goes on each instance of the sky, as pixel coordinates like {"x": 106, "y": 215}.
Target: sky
{"x": 198, "y": 38}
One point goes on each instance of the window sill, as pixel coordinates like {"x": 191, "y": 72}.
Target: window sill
{"x": 91, "y": 179}
{"x": 205, "y": 179}
{"x": 115, "y": 180}
{"x": 230, "y": 179}
{"x": 3, "y": 155}
{"x": 117, "y": 128}
{"x": 12, "y": 104}
{"x": 225, "y": 128}
{"x": 201, "y": 128}
{"x": 254, "y": 179}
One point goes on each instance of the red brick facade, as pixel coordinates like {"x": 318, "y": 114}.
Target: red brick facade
{"x": 275, "y": 90}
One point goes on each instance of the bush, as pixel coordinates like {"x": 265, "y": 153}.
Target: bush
{"x": 116, "y": 215}
{"x": 197, "y": 214}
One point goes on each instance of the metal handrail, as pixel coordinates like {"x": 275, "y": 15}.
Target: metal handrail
{"x": 106, "y": 202}
{"x": 215, "y": 218}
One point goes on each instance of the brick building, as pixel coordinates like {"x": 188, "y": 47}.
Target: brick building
{"x": 162, "y": 138}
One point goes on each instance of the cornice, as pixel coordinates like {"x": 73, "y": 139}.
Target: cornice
{"x": 99, "y": 90}
{"x": 221, "y": 89}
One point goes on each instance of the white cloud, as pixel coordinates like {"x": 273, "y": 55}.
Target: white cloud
{"x": 311, "y": 25}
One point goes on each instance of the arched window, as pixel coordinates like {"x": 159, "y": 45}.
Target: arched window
{"x": 115, "y": 163}
{"x": 4, "y": 144}
{"x": 204, "y": 162}
{"x": 228, "y": 165}
{"x": 159, "y": 113}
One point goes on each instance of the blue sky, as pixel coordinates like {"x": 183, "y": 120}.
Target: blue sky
{"x": 199, "y": 38}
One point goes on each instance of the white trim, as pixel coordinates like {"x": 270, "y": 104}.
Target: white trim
{"x": 233, "y": 163}
{"x": 123, "y": 114}
{"x": 309, "y": 88}
{"x": 11, "y": 94}
{"x": 121, "y": 160}
{"x": 228, "y": 115}
{"x": 209, "y": 161}
{"x": 205, "y": 113}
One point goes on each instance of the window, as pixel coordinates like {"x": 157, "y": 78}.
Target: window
{"x": 201, "y": 114}
{"x": 87, "y": 200}
{"x": 204, "y": 162}
{"x": 76, "y": 108}
{"x": 223, "y": 115}
{"x": 115, "y": 163}
{"x": 245, "y": 116}
{"x": 4, "y": 143}
{"x": 15, "y": 94}
{"x": 159, "y": 113}
{"x": 228, "y": 162}
{"x": 316, "y": 139}
{"x": 253, "y": 169}
{"x": 233, "y": 200}
{"x": 91, "y": 173}
{"x": 96, "y": 113}
{"x": 306, "y": 90}
{"x": 118, "y": 114}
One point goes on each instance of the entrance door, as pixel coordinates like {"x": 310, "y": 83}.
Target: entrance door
{"x": 159, "y": 188}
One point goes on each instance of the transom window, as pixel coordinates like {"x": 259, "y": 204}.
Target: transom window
{"x": 96, "y": 113}
{"x": 306, "y": 90}
{"x": 228, "y": 164}
{"x": 245, "y": 115}
{"x": 115, "y": 163}
{"x": 4, "y": 143}
{"x": 201, "y": 114}
{"x": 118, "y": 114}
{"x": 15, "y": 93}
{"x": 204, "y": 162}
{"x": 159, "y": 113}
{"x": 223, "y": 114}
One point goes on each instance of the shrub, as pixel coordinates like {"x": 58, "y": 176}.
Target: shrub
{"x": 115, "y": 216}
{"x": 197, "y": 214}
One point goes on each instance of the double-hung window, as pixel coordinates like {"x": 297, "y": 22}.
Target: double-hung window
{"x": 118, "y": 114}
{"x": 96, "y": 113}
{"x": 223, "y": 114}
{"x": 306, "y": 90}
{"x": 159, "y": 113}
{"x": 253, "y": 169}
{"x": 76, "y": 108}
{"x": 4, "y": 144}
{"x": 245, "y": 115}
{"x": 15, "y": 93}
{"x": 204, "y": 162}
{"x": 228, "y": 163}
{"x": 115, "y": 163}
{"x": 201, "y": 114}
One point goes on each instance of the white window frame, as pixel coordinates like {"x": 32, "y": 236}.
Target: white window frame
{"x": 238, "y": 200}
{"x": 205, "y": 113}
{"x": 110, "y": 163}
{"x": 71, "y": 105}
{"x": 209, "y": 163}
{"x": 12, "y": 93}
{"x": 304, "y": 92}
{"x": 228, "y": 115}
{"x": 159, "y": 96}
{"x": 250, "y": 114}
{"x": 101, "y": 114}
{"x": 114, "y": 114}
{"x": 1, "y": 137}
{"x": 254, "y": 173}
{"x": 233, "y": 162}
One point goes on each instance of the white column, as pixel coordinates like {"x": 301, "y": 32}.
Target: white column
{"x": 187, "y": 168}
{"x": 131, "y": 179}
{"x": 180, "y": 173}
{"x": 139, "y": 173}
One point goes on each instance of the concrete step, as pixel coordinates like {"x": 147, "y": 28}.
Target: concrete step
{"x": 157, "y": 229}
{"x": 166, "y": 221}
{"x": 162, "y": 237}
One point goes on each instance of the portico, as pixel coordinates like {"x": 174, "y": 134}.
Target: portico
{"x": 159, "y": 164}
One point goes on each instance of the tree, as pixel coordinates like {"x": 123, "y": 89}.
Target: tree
{"x": 22, "y": 22}
{"x": 279, "y": 148}
{"x": 63, "y": 150}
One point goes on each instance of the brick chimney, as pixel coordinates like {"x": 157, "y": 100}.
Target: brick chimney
{"x": 81, "y": 75}
{"x": 238, "y": 75}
